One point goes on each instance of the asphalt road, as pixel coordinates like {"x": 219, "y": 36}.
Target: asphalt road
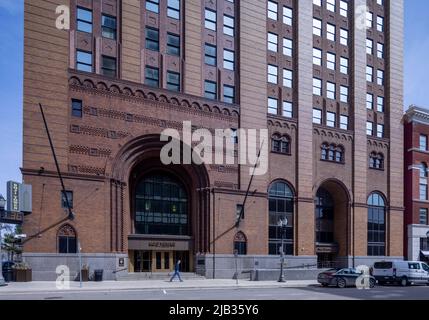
{"x": 308, "y": 293}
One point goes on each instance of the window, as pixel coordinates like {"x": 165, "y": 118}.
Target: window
{"x": 273, "y": 106}
{"x": 423, "y": 216}
{"x": 228, "y": 94}
{"x": 77, "y": 108}
{"x": 83, "y": 61}
{"x": 376, "y": 225}
{"x": 330, "y": 90}
{"x": 317, "y": 87}
{"x": 380, "y": 24}
{"x": 380, "y": 131}
{"x": 287, "y": 109}
{"x": 369, "y": 19}
{"x": 330, "y": 61}
{"x": 280, "y": 144}
{"x": 272, "y": 42}
{"x": 330, "y": 32}
{"x": 210, "y": 19}
{"x": 272, "y": 10}
{"x": 369, "y": 101}
{"x": 272, "y": 74}
{"x": 228, "y": 59}
{"x": 152, "y": 5}
{"x": 376, "y": 161}
{"x": 344, "y": 65}
{"x": 423, "y": 182}
{"x": 173, "y": 81}
{"x": 317, "y": 3}
{"x": 331, "y": 119}
{"x": 330, "y": 5}
{"x": 324, "y": 216}
{"x": 423, "y": 142}
{"x": 210, "y": 57}
{"x": 287, "y": 78}
{"x": 369, "y": 73}
{"x": 210, "y": 90}
{"x": 344, "y": 37}
{"x": 344, "y": 94}
{"x": 84, "y": 20}
{"x": 369, "y": 46}
{"x": 173, "y": 44}
{"x": 152, "y": 39}
{"x": 173, "y": 9}
{"x": 317, "y": 116}
{"x": 380, "y": 50}
{"x": 240, "y": 244}
{"x": 108, "y": 66}
{"x": 281, "y": 206}
{"x": 69, "y": 195}
{"x": 108, "y": 27}
{"x": 228, "y": 25}
{"x": 344, "y": 122}
{"x": 317, "y": 27}
{"x": 380, "y": 77}
{"x": 369, "y": 128}
{"x": 287, "y": 16}
{"x": 317, "y": 57}
{"x": 344, "y": 7}
{"x": 380, "y": 104}
{"x": 423, "y": 192}
{"x": 287, "y": 47}
{"x": 423, "y": 171}
{"x": 67, "y": 241}
{"x": 152, "y": 77}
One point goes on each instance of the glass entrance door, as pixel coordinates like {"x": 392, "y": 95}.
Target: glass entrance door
{"x": 143, "y": 261}
{"x": 162, "y": 261}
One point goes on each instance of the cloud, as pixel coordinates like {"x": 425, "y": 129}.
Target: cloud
{"x": 13, "y": 7}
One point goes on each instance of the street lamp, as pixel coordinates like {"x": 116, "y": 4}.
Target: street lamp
{"x": 2, "y": 205}
{"x": 283, "y": 226}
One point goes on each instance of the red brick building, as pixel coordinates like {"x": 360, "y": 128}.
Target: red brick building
{"x": 326, "y": 84}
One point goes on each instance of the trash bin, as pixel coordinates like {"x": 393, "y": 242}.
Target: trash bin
{"x": 98, "y": 275}
{"x": 7, "y": 269}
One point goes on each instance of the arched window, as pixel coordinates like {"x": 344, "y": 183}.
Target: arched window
{"x": 325, "y": 149}
{"x": 376, "y": 225}
{"x": 280, "y": 207}
{"x": 67, "y": 240}
{"x": 376, "y": 161}
{"x": 339, "y": 154}
{"x": 161, "y": 206}
{"x": 280, "y": 144}
{"x": 240, "y": 244}
{"x": 332, "y": 153}
{"x": 324, "y": 211}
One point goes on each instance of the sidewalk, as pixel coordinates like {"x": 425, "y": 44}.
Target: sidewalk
{"x": 149, "y": 285}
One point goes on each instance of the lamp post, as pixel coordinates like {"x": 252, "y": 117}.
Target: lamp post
{"x": 2, "y": 205}
{"x": 283, "y": 225}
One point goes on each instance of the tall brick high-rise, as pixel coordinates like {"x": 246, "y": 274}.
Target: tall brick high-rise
{"x": 324, "y": 76}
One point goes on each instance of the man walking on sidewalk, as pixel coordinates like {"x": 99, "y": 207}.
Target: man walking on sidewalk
{"x": 177, "y": 271}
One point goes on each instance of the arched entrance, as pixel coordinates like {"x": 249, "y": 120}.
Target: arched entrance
{"x": 332, "y": 212}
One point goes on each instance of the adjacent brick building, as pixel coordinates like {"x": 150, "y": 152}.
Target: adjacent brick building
{"x": 416, "y": 150}
{"x": 325, "y": 77}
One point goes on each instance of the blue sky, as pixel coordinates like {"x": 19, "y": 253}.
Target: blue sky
{"x": 11, "y": 66}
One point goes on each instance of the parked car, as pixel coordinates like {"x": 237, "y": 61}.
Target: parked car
{"x": 342, "y": 278}
{"x": 401, "y": 272}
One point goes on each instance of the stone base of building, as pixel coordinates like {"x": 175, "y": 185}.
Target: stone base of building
{"x": 47, "y": 267}
{"x": 416, "y": 232}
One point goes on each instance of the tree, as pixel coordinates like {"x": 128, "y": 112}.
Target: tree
{"x": 10, "y": 244}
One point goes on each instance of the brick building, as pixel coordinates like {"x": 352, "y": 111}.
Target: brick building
{"x": 416, "y": 133}
{"x": 324, "y": 76}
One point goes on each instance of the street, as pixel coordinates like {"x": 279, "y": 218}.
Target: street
{"x": 303, "y": 293}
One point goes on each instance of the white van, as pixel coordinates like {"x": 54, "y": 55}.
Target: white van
{"x": 401, "y": 272}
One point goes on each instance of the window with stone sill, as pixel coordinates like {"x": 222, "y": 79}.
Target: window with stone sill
{"x": 332, "y": 153}
{"x": 280, "y": 144}
{"x": 376, "y": 161}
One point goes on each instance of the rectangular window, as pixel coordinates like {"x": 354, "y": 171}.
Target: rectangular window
{"x": 330, "y": 90}
{"x": 369, "y": 73}
{"x": 423, "y": 142}
{"x": 69, "y": 195}
{"x": 380, "y": 104}
{"x": 317, "y": 57}
{"x": 369, "y": 101}
{"x": 330, "y": 119}
{"x": 173, "y": 81}
{"x": 228, "y": 60}
{"x": 344, "y": 94}
{"x": 272, "y": 42}
{"x": 317, "y": 3}
{"x": 317, "y": 27}
{"x": 273, "y": 10}
{"x": 380, "y": 24}
{"x": 173, "y": 9}
{"x": 287, "y": 78}
{"x": 380, "y": 131}
{"x": 287, "y": 47}
{"x": 330, "y": 5}
{"x": 344, "y": 65}
{"x": 344, "y": 122}
{"x": 317, "y": 87}
{"x": 108, "y": 27}
{"x": 84, "y": 20}
{"x": 152, "y": 77}
{"x": 330, "y": 60}
{"x": 376, "y": 231}
{"x": 83, "y": 61}
{"x": 369, "y": 19}
{"x": 210, "y": 53}
{"x": 423, "y": 191}
{"x": 152, "y": 39}
{"x": 228, "y": 25}
{"x": 330, "y": 32}
{"x": 210, "y": 90}
{"x": 287, "y": 109}
{"x": 287, "y": 16}
{"x": 423, "y": 216}
{"x": 380, "y": 77}
{"x": 108, "y": 66}
{"x": 272, "y": 74}
{"x": 273, "y": 106}
{"x": 77, "y": 108}
{"x": 369, "y": 128}
{"x": 317, "y": 116}
{"x": 369, "y": 46}
{"x": 344, "y": 8}
{"x": 210, "y": 19}
{"x": 152, "y": 5}
{"x": 344, "y": 37}
{"x": 173, "y": 44}
{"x": 380, "y": 50}
{"x": 228, "y": 94}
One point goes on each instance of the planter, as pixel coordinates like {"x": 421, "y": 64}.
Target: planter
{"x": 85, "y": 275}
{"x": 23, "y": 275}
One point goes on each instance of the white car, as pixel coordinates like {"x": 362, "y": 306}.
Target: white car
{"x": 401, "y": 272}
